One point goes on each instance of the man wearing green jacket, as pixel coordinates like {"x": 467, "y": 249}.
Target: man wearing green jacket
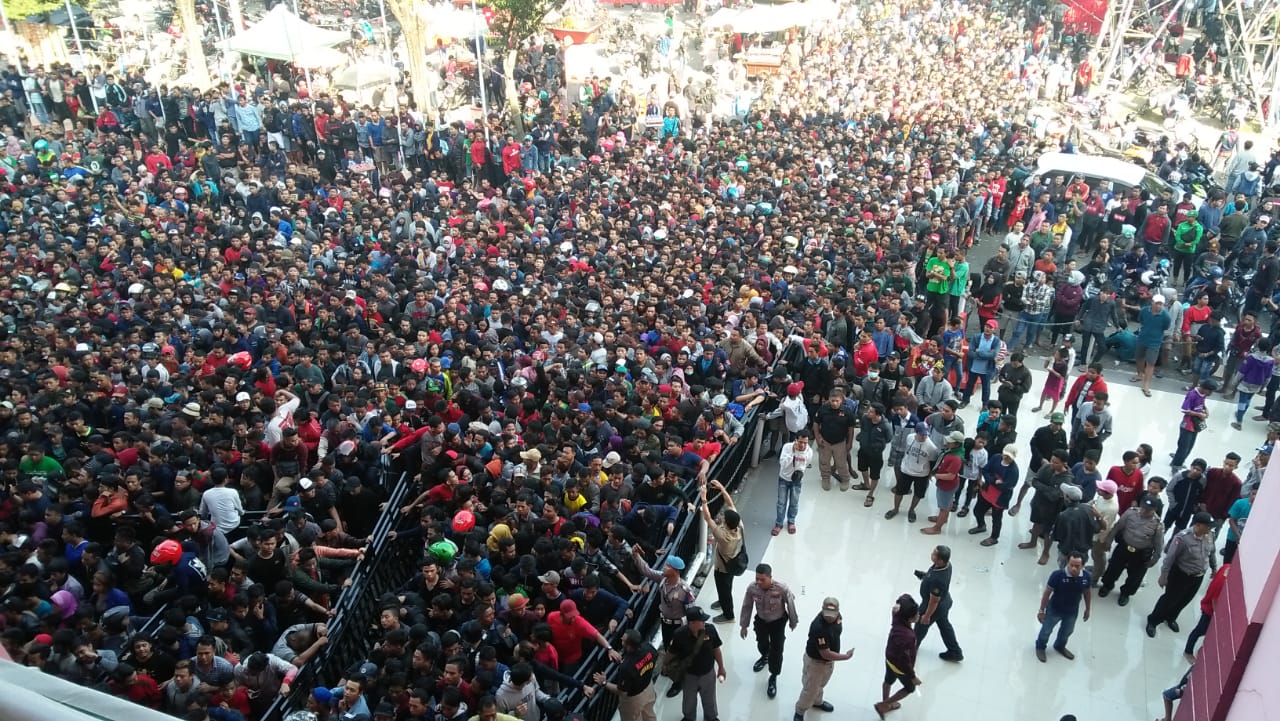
{"x": 1186, "y": 243}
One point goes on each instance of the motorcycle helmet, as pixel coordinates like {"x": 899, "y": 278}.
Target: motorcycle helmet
{"x": 443, "y": 551}
{"x": 1148, "y": 277}
{"x": 464, "y": 521}
{"x": 1216, "y": 272}
{"x": 1076, "y": 278}
{"x": 168, "y": 552}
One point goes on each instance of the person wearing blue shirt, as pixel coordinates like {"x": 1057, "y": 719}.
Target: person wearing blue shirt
{"x": 952, "y": 352}
{"x": 1060, "y": 606}
{"x": 1153, "y": 322}
{"x": 882, "y": 338}
{"x": 1236, "y": 518}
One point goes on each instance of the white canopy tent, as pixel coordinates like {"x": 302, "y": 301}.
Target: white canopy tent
{"x": 281, "y": 35}
{"x": 365, "y": 74}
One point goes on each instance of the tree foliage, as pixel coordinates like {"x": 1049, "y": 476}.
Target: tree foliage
{"x": 515, "y": 20}
{"x": 20, "y": 10}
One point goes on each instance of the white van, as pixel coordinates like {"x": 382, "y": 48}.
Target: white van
{"x": 1095, "y": 168}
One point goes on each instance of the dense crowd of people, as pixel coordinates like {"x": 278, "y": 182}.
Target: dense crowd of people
{"x": 227, "y": 315}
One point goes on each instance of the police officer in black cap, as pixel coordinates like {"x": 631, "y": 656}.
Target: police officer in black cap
{"x": 633, "y": 683}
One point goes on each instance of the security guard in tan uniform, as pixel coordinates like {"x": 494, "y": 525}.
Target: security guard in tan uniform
{"x": 821, "y": 652}
{"x": 775, "y": 607}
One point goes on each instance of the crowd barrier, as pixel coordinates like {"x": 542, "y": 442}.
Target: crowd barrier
{"x": 389, "y": 563}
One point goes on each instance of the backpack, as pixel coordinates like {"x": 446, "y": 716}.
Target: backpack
{"x": 1186, "y": 242}
{"x": 737, "y": 565}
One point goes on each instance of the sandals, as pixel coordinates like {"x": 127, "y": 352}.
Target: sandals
{"x": 1146, "y": 392}
{"x": 860, "y": 487}
{"x": 776, "y": 531}
{"x": 963, "y": 512}
{"x": 870, "y": 501}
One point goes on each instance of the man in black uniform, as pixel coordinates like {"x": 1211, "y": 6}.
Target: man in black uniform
{"x": 634, "y": 684}
{"x": 700, "y": 643}
{"x": 935, "y": 602}
{"x": 821, "y": 651}
{"x": 833, "y": 426}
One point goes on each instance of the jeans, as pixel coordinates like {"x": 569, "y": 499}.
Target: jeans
{"x": 1027, "y": 328}
{"x": 949, "y": 364}
{"x": 251, "y": 138}
{"x": 1186, "y": 441}
{"x": 974, "y": 377}
{"x": 788, "y": 501}
{"x": 1197, "y": 633}
{"x": 1242, "y": 405}
{"x": 1053, "y": 618}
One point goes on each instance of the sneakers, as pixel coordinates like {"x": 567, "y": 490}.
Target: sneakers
{"x": 953, "y": 656}
{"x": 722, "y": 618}
{"x": 977, "y": 530}
{"x": 715, "y": 606}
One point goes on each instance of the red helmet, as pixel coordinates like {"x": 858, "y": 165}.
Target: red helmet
{"x": 464, "y": 521}
{"x": 242, "y": 359}
{"x": 166, "y": 552}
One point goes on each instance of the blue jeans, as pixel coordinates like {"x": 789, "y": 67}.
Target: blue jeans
{"x": 1053, "y": 618}
{"x": 1027, "y": 328}
{"x": 251, "y": 137}
{"x": 952, "y": 363}
{"x": 1242, "y": 405}
{"x": 788, "y": 501}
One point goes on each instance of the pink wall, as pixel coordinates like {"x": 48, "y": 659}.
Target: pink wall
{"x": 1234, "y": 675}
{"x": 1258, "y": 695}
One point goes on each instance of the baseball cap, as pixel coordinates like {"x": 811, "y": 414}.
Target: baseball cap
{"x": 922, "y": 428}
{"x": 830, "y": 608}
{"x": 1157, "y": 298}
{"x": 306, "y": 484}
{"x": 955, "y": 437}
{"x": 242, "y": 396}
{"x": 292, "y": 503}
{"x": 1106, "y": 486}
{"x": 1150, "y": 502}
{"x": 550, "y": 577}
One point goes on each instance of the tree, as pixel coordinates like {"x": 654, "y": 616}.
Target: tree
{"x": 515, "y": 21}
{"x": 197, "y": 66}
{"x": 414, "y": 28}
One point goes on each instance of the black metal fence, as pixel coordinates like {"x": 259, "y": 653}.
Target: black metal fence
{"x": 389, "y": 563}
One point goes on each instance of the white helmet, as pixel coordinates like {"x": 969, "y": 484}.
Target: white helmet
{"x": 136, "y": 289}
{"x": 720, "y": 401}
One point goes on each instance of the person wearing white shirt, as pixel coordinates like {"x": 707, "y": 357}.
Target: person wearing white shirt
{"x": 281, "y": 416}
{"x": 796, "y": 458}
{"x": 221, "y": 504}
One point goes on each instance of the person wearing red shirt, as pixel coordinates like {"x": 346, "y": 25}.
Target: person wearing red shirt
{"x": 705, "y": 449}
{"x": 568, "y": 632}
{"x": 1083, "y": 391}
{"x": 1221, "y": 489}
{"x": 947, "y": 474}
{"x": 1128, "y": 480}
{"x": 511, "y": 158}
{"x": 864, "y": 354}
{"x": 1207, "y": 605}
{"x": 138, "y": 688}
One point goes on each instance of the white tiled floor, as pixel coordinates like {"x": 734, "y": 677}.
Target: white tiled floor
{"x": 853, "y": 553}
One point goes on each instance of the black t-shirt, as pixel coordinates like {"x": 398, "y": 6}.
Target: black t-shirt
{"x": 823, "y": 634}
{"x": 635, "y": 673}
{"x": 936, "y": 582}
{"x": 705, "y": 659}
{"x": 834, "y": 423}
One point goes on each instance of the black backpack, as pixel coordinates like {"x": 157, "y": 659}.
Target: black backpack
{"x": 737, "y": 565}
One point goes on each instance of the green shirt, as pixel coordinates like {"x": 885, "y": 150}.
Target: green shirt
{"x": 936, "y": 265}
{"x": 961, "y": 279}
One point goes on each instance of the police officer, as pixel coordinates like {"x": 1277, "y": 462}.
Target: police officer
{"x": 935, "y": 603}
{"x": 634, "y": 681}
{"x": 775, "y": 609}
{"x": 1138, "y": 536}
{"x": 821, "y": 651}
{"x": 1190, "y": 556}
